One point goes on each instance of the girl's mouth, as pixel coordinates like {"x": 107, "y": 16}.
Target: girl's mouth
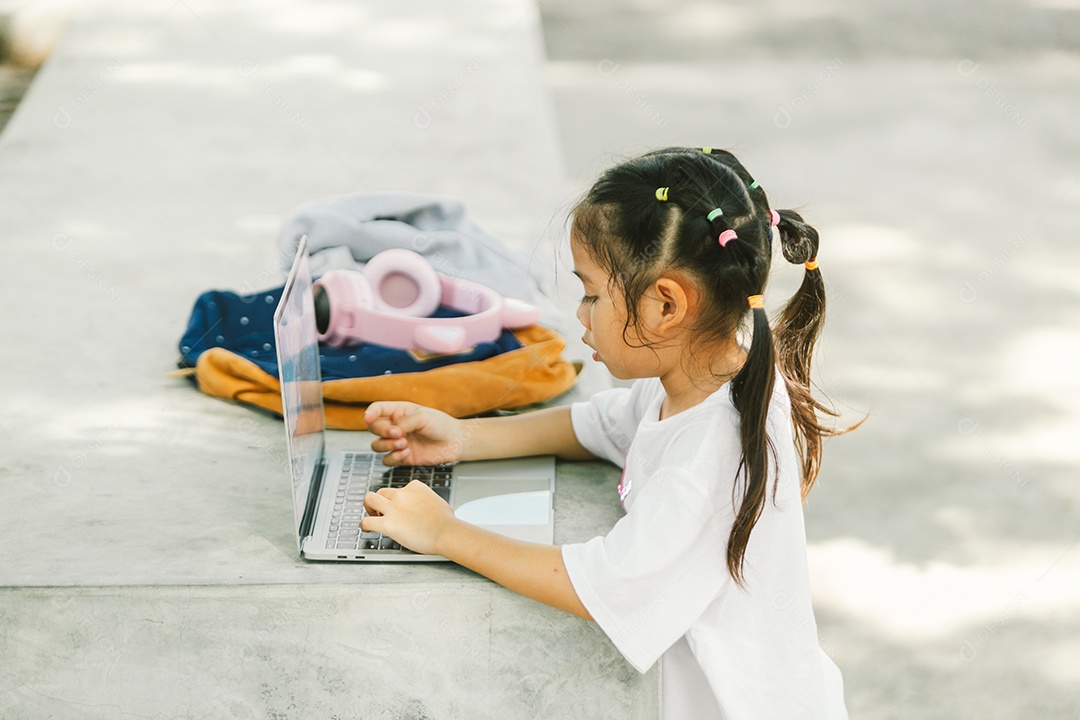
{"x": 595, "y": 355}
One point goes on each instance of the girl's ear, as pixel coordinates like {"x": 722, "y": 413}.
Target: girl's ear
{"x": 671, "y": 296}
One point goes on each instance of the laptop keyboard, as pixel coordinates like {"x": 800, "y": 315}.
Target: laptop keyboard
{"x": 363, "y": 473}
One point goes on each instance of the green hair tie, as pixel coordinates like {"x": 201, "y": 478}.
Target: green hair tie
{"x": 715, "y": 214}
{"x": 753, "y": 185}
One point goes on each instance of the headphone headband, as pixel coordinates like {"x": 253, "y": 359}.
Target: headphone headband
{"x": 358, "y": 315}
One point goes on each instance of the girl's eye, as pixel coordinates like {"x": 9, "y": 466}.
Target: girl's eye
{"x": 588, "y": 299}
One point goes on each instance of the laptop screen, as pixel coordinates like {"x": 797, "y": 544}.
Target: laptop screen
{"x": 301, "y": 384}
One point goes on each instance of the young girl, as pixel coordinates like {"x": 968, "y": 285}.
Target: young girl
{"x": 718, "y": 442}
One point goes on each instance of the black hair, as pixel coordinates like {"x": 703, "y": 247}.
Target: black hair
{"x": 651, "y": 215}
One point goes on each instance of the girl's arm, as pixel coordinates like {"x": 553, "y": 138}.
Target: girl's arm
{"x": 543, "y": 432}
{"x": 420, "y": 520}
{"x": 412, "y": 434}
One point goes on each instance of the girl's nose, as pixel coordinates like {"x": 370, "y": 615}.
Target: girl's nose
{"x": 583, "y": 315}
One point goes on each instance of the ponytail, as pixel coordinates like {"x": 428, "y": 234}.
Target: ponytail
{"x": 790, "y": 348}
{"x": 751, "y": 391}
{"x": 797, "y": 332}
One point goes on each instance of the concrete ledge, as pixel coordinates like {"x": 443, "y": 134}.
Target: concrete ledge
{"x": 307, "y": 651}
{"x": 154, "y": 157}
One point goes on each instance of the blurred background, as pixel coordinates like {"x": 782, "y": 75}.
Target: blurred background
{"x": 935, "y": 147}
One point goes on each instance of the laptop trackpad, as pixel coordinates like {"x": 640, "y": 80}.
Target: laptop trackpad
{"x": 495, "y": 501}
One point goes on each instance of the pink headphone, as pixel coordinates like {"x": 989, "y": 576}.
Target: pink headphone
{"x": 389, "y": 302}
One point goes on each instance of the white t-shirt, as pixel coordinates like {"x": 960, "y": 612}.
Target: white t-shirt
{"x": 658, "y": 583}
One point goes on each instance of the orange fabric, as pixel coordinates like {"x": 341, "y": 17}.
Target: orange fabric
{"x": 530, "y": 374}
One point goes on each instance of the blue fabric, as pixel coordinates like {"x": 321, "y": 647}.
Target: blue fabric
{"x": 244, "y": 324}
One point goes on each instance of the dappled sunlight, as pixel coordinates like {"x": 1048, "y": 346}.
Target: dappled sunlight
{"x": 299, "y": 66}
{"x": 1041, "y": 362}
{"x": 859, "y": 243}
{"x": 314, "y": 18}
{"x": 126, "y": 427}
{"x": 938, "y": 599}
{"x": 879, "y": 311}
{"x": 1058, "y": 662}
{"x": 180, "y": 73}
{"x": 713, "y": 20}
{"x": 325, "y": 68}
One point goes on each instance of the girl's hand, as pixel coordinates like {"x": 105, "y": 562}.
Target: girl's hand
{"x": 412, "y": 434}
{"x": 413, "y": 515}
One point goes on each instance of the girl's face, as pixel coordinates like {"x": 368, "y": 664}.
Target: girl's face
{"x": 602, "y": 311}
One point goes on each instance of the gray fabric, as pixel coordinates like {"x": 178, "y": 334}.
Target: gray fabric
{"x": 348, "y": 230}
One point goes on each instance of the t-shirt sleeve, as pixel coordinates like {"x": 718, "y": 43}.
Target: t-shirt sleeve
{"x": 605, "y": 423}
{"x": 659, "y": 568}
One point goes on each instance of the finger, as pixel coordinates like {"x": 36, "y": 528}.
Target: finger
{"x": 372, "y": 523}
{"x": 385, "y": 409}
{"x": 417, "y": 486}
{"x": 384, "y": 427}
{"x": 398, "y": 457}
{"x": 413, "y": 421}
{"x": 376, "y": 503}
{"x": 373, "y": 411}
{"x": 389, "y": 445}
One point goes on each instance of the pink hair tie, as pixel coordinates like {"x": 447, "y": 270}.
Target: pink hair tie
{"x": 726, "y": 237}
{"x": 774, "y": 217}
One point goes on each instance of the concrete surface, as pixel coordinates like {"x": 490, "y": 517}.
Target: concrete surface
{"x": 307, "y": 651}
{"x": 147, "y": 565}
{"x": 157, "y": 205}
{"x": 934, "y": 146}
{"x": 931, "y": 143}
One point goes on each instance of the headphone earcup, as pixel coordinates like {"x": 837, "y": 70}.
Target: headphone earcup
{"x": 337, "y": 295}
{"x": 403, "y": 283}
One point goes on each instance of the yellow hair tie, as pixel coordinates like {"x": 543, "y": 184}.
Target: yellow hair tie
{"x": 707, "y": 151}
{"x": 757, "y": 302}
{"x": 661, "y": 194}
{"x": 812, "y": 265}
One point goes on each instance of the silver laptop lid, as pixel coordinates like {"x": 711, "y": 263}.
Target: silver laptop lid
{"x": 301, "y": 384}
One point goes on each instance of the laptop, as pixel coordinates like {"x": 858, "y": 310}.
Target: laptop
{"x": 513, "y": 497}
